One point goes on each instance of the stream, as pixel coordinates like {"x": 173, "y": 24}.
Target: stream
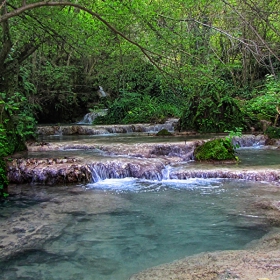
{"x": 110, "y": 229}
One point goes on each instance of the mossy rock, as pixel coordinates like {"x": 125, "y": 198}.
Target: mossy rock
{"x": 164, "y": 132}
{"x": 273, "y": 132}
{"x": 217, "y": 149}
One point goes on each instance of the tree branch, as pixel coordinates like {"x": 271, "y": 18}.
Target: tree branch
{"x": 254, "y": 30}
{"x": 31, "y": 6}
{"x": 7, "y": 42}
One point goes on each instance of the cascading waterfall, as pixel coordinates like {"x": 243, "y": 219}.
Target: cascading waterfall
{"x": 90, "y": 117}
{"x": 152, "y": 162}
{"x": 249, "y": 140}
{"x": 117, "y": 170}
{"x": 166, "y": 172}
{"x": 109, "y": 223}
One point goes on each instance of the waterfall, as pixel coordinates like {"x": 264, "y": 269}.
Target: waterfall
{"x": 94, "y": 174}
{"x": 166, "y": 172}
{"x": 249, "y": 140}
{"x": 102, "y": 92}
{"x": 118, "y": 170}
{"x": 90, "y": 117}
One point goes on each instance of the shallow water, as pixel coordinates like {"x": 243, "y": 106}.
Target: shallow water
{"x": 114, "y": 228}
{"x": 146, "y": 223}
{"x": 126, "y": 138}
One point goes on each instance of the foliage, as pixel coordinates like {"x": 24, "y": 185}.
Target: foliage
{"x": 264, "y": 105}
{"x": 273, "y": 132}
{"x": 234, "y": 133}
{"x": 3, "y": 179}
{"x": 136, "y": 108}
{"x": 217, "y": 149}
{"x": 15, "y": 128}
{"x": 156, "y": 59}
{"x": 4, "y": 150}
{"x": 212, "y": 111}
{"x": 19, "y": 110}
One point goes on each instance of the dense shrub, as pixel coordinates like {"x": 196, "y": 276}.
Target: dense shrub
{"x": 273, "y": 132}
{"x": 16, "y": 126}
{"x": 264, "y": 105}
{"x": 212, "y": 114}
{"x": 137, "y": 108}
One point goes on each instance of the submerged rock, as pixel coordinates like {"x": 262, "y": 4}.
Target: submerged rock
{"x": 164, "y": 132}
{"x": 28, "y": 228}
{"x": 241, "y": 264}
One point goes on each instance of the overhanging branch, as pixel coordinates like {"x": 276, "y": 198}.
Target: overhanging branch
{"x": 31, "y": 6}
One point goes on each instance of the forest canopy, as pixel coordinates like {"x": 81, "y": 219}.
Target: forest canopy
{"x": 214, "y": 64}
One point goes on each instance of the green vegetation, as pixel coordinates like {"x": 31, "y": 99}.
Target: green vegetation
{"x": 138, "y": 108}
{"x": 265, "y": 105}
{"x": 234, "y": 133}
{"x": 212, "y": 114}
{"x": 164, "y": 132}
{"x": 213, "y": 64}
{"x": 273, "y": 132}
{"x": 15, "y": 128}
{"x": 217, "y": 149}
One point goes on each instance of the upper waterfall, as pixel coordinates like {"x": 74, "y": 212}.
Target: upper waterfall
{"x": 90, "y": 117}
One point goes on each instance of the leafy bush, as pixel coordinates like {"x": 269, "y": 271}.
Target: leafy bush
{"x": 212, "y": 114}
{"x": 16, "y": 126}
{"x": 264, "y": 106}
{"x": 137, "y": 108}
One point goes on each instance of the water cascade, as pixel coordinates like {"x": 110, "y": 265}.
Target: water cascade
{"x": 153, "y": 161}
{"x": 124, "y": 203}
{"x": 102, "y": 92}
{"x": 118, "y": 170}
{"x": 90, "y": 117}
{"x": 83, "y": 127}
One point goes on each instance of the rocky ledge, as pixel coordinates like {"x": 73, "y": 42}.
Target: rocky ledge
{"x": 104, "y": 129}
{"x": 145, "y": 161}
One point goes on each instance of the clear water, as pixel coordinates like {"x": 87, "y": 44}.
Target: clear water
{"x": 259, "y": 156}
{"x": 146, "y": 223}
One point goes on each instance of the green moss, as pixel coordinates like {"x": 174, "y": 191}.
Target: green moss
{"x": 217, "y": 149}
{"x": 164, "y": 132}
{"x": 273, "y": 132}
